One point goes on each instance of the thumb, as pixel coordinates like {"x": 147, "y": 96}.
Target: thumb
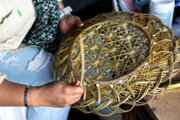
{"x": 79, "y": 23}
{"x": 77, "y": 83}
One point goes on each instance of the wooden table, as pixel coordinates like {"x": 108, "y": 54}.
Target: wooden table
{"x": 167, "y": 105}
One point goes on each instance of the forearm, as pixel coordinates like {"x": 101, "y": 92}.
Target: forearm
{"x": 54, "y": 94}
{"x": 12, "y": 94}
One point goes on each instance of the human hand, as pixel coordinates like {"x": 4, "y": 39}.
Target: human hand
{"x": 57, "y": 94}
{"x": 69, "y": 22}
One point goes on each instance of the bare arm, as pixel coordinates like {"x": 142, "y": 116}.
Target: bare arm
{"x": 11, "y": 94}
{"x": 58, "y": 94}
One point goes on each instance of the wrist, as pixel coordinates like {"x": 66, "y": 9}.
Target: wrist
{"x": 33, "y": 97}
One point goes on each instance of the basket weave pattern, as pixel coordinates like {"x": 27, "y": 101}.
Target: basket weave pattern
{"x": 121, "y": 59}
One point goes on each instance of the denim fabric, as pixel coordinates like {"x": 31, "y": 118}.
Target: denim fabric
{"x": 14, "y": 65}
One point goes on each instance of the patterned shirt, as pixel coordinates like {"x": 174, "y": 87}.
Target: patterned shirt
{"x": 44, "y": 30}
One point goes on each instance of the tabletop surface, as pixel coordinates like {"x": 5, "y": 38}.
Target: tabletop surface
{"x": 167, "y": 105}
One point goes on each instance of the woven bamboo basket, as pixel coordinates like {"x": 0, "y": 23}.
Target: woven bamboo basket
{"x": 122, "y": 59}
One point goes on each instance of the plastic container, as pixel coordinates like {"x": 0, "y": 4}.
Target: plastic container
{"x": 164, "y": 9}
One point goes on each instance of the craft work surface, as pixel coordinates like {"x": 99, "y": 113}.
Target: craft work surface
{"x": 120, "y": 58}
{"x": 166, "y": 106}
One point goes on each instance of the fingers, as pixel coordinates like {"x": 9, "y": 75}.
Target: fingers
{"x": 71, "y": 100}
{"x": 78, "y": 21}
{"x": 77, "y": 84}
{"x": 72, "y": 94}
{"x": 73, "y": 90}
{"x": 81, "y": 25}
{"x": 75, "y": 99}
{"x": 70, "y": 22}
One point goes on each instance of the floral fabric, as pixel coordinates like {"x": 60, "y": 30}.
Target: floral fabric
{"x": 44, "y": 30}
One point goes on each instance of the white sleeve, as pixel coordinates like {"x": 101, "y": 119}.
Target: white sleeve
{"x": 16, "y": 18}
{"x": 59, "y": 0}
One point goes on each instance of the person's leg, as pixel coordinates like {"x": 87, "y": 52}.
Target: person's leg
{"x": 32, "y": 66}
{"x": 48, "y": 113}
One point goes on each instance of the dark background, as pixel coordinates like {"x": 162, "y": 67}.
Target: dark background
{"x": 89, "y": 8}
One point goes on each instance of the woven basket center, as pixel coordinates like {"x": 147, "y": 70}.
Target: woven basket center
{"x": 111, "y": 50}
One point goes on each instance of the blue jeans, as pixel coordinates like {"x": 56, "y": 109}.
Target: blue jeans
{"x": 16, "y": 65}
